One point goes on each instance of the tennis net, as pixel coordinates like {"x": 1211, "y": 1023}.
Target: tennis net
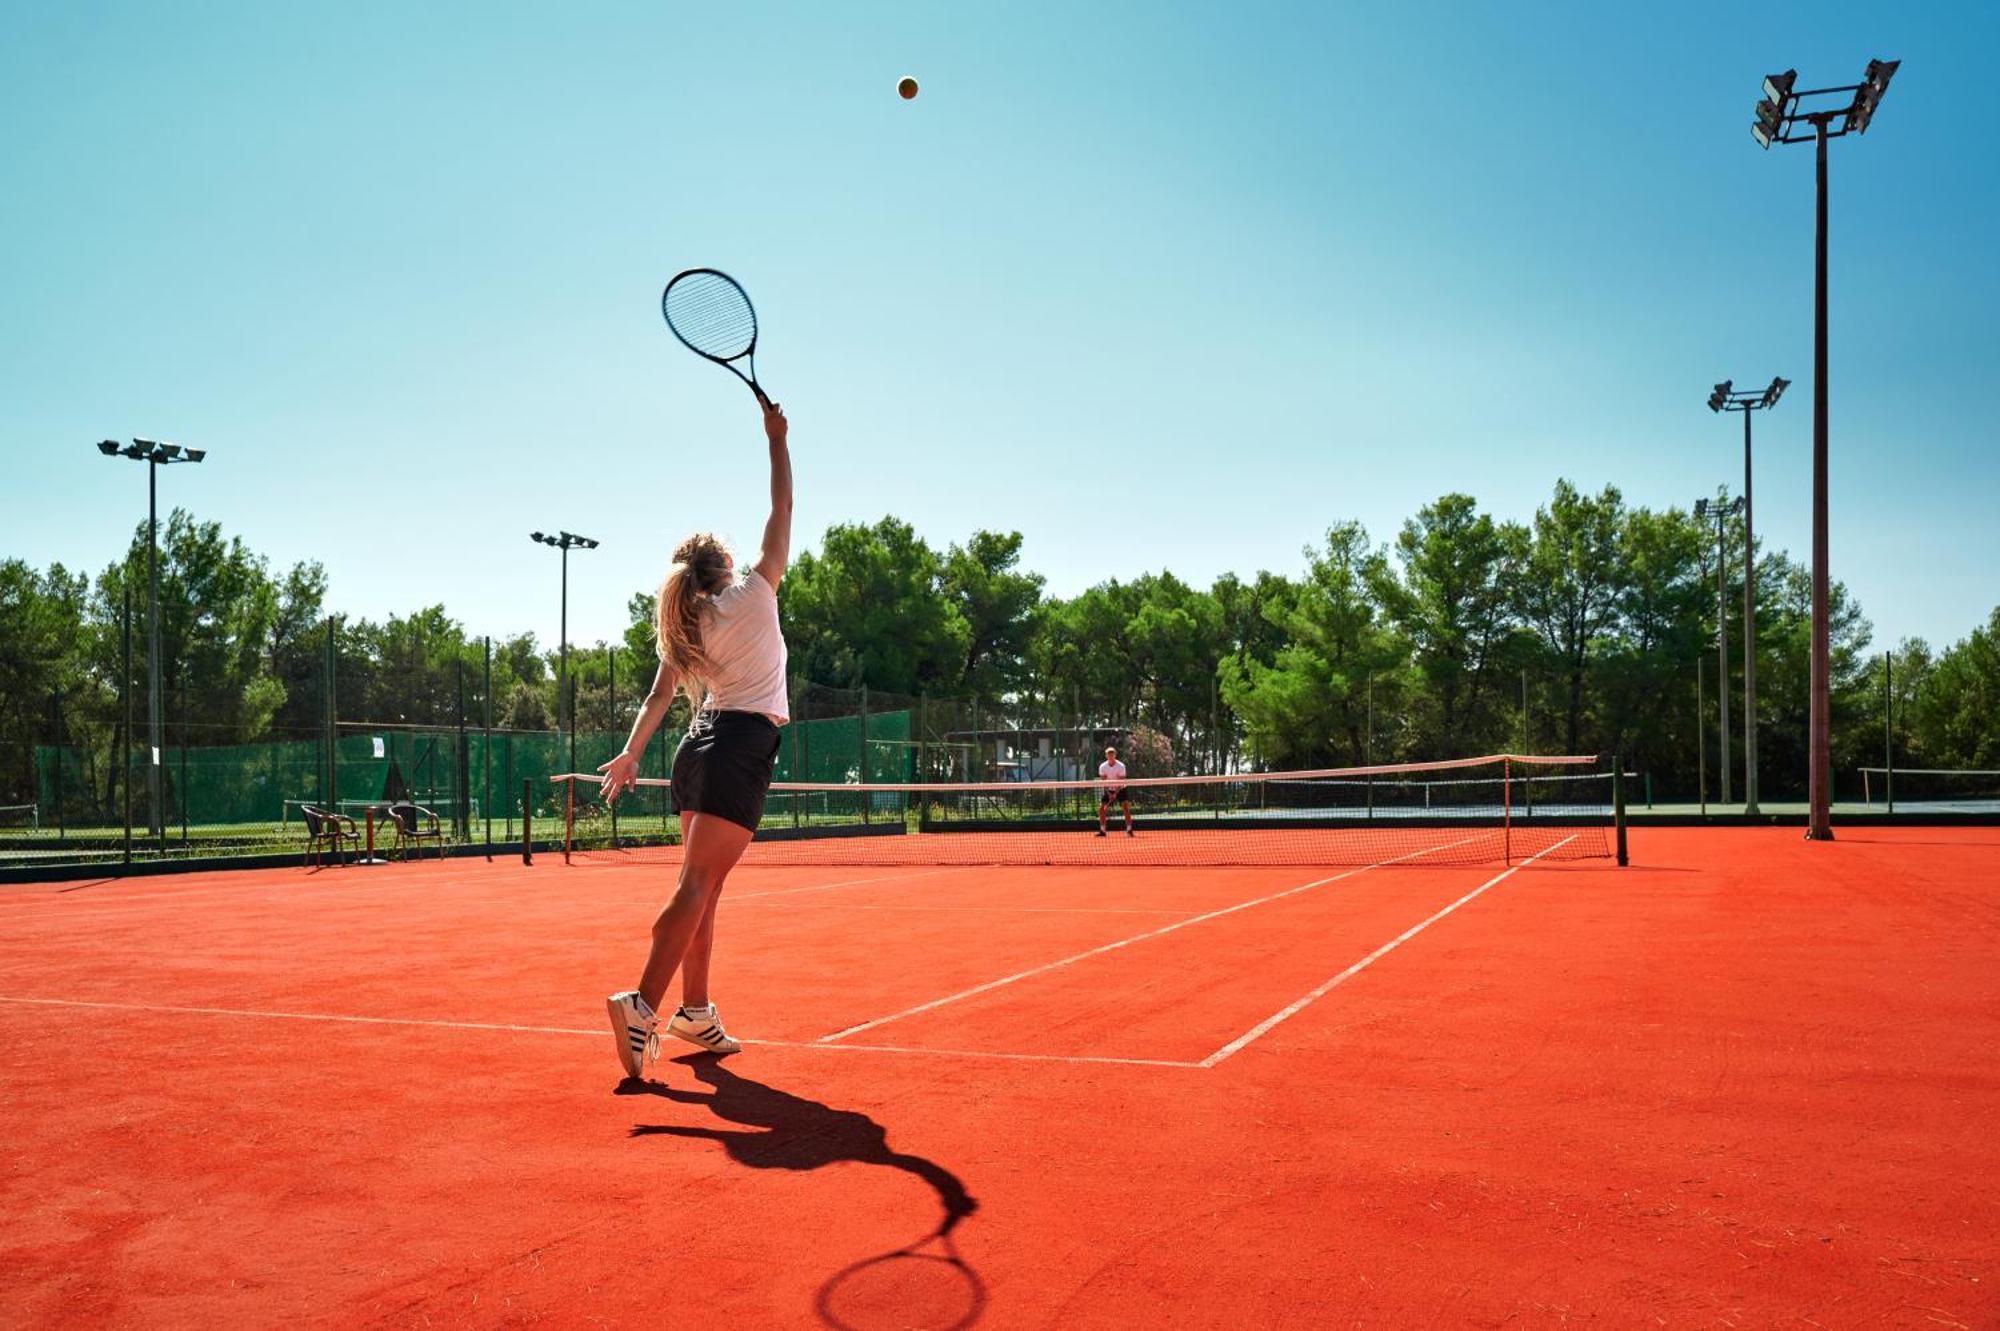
{"x": 1496, "y": 809}
{"x": 1931, "y": 789}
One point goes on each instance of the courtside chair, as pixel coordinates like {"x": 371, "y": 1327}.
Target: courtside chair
{"x": 414, "y": 826}
{"x": 327, "y": 833}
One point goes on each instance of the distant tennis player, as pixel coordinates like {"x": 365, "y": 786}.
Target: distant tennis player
{"x": 719, "y": 642}
{"x": 1112, "y": 773}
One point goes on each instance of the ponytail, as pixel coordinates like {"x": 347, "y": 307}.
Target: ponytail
{"x": 700, "y": 569}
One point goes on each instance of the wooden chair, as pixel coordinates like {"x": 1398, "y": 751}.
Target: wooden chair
{"x": 415, "y": 825}
{"x": 327, "y": 833}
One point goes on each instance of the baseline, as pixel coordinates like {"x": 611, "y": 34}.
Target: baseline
{"x": 347, "y": 1019}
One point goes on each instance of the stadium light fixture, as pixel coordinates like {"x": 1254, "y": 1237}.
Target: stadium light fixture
{"x": 155, "y": 455}
{"x": 1855, "y": 116}
{"x": 1874, "y": 83}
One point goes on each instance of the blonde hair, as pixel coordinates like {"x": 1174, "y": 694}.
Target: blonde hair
{"x": 701, "y": 568}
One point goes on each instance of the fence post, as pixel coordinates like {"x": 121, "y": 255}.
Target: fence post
{"x": 60, "y": 829}
{"x": 181, "y": 795}
{"x": 332, "y": 723}
{"x": 486, "y": 750}
{"x": 464, "y": 763}
{"x": 1888, "y": 733}
{"x": 611, "y": 704}
{"x": 125, "y": 737}
{"x": 1700, "y": 744}
{"x": 527, "y": 825}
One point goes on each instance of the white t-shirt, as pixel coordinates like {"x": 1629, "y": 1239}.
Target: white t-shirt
{"x": 745, "y": 650}
{"x": 1113, "y": 773}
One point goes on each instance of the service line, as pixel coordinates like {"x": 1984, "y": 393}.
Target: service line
{"x": 1243, "y": 1040}
{"x": 1045, "y": 968}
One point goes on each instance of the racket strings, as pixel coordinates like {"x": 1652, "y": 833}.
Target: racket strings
{"x": 711, "y": 314}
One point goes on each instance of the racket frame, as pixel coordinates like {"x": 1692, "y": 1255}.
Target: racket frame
{"x": 748, "y": 355}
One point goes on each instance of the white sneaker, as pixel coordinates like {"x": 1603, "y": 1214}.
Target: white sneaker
{"x": 701, "y": 1026}
{"x": 634, "y": 1027}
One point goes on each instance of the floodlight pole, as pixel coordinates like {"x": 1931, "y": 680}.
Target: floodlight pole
{"x": 565, "y": 542}
{"x": 1721, "y": 512}
{"x": 157, "y": 814}
{"x": 155, "y": 455}
{"x": 1778, "y": 116}
{"x": 1749, "y": 637}
{"x": 1726, "y": 397}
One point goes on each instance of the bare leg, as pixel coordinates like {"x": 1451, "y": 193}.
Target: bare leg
{"x": 694, "y": 966}
{"x": 709, "y": 851}
{"x": 1103, "y": 812}
{"x": 1127, "y": 805}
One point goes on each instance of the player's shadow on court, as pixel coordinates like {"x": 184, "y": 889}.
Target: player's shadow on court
{"x": 792, "y": 1132}
{"x": 785, "y": 1131}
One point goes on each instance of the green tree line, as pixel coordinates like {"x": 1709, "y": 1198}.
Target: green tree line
{"x": 1579, "y": 630}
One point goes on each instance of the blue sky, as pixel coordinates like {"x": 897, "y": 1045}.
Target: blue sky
{"x": 1157, "y": 285}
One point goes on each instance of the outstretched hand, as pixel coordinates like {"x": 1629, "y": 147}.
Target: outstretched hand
{"x": 620, "y": 775}
{"x": 775, "y": 425}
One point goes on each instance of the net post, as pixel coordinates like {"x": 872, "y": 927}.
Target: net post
{"x": 527, "y": 832}
{"x": 368, "y": 818}
{"x": 1618, "y": 804}
{"x": 1506, "y": 809}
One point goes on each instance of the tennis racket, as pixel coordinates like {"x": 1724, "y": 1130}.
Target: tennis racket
{"x": 711, "y": 315}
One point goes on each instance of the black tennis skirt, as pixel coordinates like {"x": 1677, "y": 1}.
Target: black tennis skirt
{"x": 724, "y": 766}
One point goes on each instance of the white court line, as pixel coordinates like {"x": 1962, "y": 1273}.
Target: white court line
{"x": 1044, "y": 969}
{"x": 1265, "y": 1025}
{"x": 850, "y": 882}
{"x": 64, "y": 908}
{"x": 1011, "y": 910}
{"x": 341, "y": 1019}
{"x": 300, "y": 888}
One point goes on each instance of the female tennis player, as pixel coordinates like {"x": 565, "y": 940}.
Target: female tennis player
{"x": 719, "y": 642}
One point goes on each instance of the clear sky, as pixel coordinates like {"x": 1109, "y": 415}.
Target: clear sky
{"x": 1158, "y": 285}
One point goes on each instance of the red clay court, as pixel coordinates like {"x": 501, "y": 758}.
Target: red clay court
{"x": 1738, "y": 1083}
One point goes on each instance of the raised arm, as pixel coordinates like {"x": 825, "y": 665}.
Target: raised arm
{"x": 622, "y": 771}
{"x": 778, "y": 529}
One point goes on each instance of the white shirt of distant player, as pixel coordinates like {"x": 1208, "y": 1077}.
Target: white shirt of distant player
{"x": 1113, "y": 772}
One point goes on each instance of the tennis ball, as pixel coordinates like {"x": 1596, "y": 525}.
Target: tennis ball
{"x": 906, "y": 87}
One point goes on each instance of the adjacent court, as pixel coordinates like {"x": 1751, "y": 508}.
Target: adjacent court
{"x": 1743, "y": 1081}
